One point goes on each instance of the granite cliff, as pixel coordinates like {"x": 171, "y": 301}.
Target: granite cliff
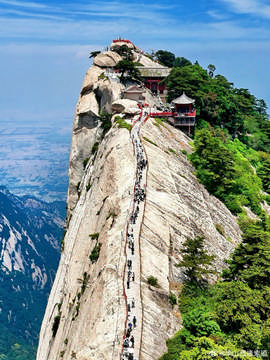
{"x": 88, "y": 309}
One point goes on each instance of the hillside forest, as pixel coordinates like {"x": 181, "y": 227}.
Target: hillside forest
{"x": 231, "y": 157}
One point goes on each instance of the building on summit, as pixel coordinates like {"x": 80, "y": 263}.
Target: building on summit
{"x": 133, "y": 92}
{"x": 182, "y": 114}
{"x": 153, "y": 77}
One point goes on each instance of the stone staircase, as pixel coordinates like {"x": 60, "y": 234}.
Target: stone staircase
{"x": 132, "y": 277}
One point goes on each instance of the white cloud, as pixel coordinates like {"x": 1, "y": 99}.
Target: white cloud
{"x": 116, "y": 7}
{"x": 32, "y": 5}
{"x": 82, "y": 31}
{"x": 25, "y": 14}
{"x": 80, "y": 22}
{"x": 75, "y": 50}
{"x": 215, "y": 14}
{"x": 252, "y": 7}
{"x": 105, "y": 9}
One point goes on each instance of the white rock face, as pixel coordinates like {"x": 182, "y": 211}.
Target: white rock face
{"x": 177, "y": 207}
{"x": 151, "y": 100}
{"x": 147, "y": 62}
{"x": 92, "y": 316}
{"x": 125, "y": 106}
{"x": 107, "y": 59}
{"x": 121, "y": 43}
{"x": 81, "y": 144}
{"x": 96, "y": 97}
{"x": 88, "y": 103}
{"x": 91, "y": 78}
{"x": 108, "y": 93}
{"x": 98, "y": 328}
{"x": 174, "y": 191}
{"x": 266, "y": 207}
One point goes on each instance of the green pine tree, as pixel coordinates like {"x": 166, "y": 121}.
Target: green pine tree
{"x": 196, "y": 261}
{"x": 250, "y": 261}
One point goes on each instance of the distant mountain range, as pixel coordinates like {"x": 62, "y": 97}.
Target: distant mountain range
{"x": 30, "y": 234}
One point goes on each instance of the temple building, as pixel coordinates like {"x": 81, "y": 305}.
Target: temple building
{"x": 133, "y": 92}
{"x": 183, "y": 115}
{"x": 184, "y": 112}
{"x": 153, "y": 77}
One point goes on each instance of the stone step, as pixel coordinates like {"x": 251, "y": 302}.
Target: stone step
{"x": 134, "y": 290}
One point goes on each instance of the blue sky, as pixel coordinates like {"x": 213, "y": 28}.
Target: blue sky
{"x": 44, "y": 46}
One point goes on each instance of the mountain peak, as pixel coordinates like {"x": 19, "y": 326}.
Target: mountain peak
{"x": 133, "y": 200}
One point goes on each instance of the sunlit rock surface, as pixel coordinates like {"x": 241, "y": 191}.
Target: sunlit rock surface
{"x": 177, "y": 206}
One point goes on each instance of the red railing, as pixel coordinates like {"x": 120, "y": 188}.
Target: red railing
{"x": 147, "y": 117}
{"x": 165, "y": 113}
{"x": 185, "y": 114}
{"x": 174, "y": 114}
{"x": 122, "y": 40}
{"x": 140, "y": 107}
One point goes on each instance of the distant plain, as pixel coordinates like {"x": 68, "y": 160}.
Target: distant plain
{"x": 34, "y": 160}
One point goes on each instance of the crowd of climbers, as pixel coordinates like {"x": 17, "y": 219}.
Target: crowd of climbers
{"x": 139, "y": 196}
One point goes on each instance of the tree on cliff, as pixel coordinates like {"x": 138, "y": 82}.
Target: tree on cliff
{"x": 190, "y": 78}
{"x": 196, "y": 261}
{"x": 211, "y": 69}
{"x": 263, "y": 171}
{"x": 233, "y": 314}
{"x": 106, "y": 122}
{"x": 94, "y": 54}
{"x": 181, "y": 62}
{"x": 250, "y": 262}
{"x": 125, "y": 52}
{"x": 214, "y": 163}
{"x": 166, "y": 58}
{"x": 128, "y": 68}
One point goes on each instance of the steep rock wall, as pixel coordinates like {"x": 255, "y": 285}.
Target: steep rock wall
{"x": 177, "y": 207}
{"x": 96, "y": 96}
{"x": 93, "y": 322}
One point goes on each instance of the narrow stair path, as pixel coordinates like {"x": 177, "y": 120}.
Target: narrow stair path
{"x": 132, "y": 274}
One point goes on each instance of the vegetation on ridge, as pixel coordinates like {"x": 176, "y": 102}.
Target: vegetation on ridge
{"x": 231, "y": 156}
{"x": 168, "y": 59}
{"x": 127, "y": 67}
{"x": 223, "y": 319}
{"x": 219, "y": 103}
{"x": 226, "y": 168}
{"x": 95, "y": 253}
{"x": 197, "y": 263}
{"x": 106, "y": 123}
{"x": 122, "y": 123}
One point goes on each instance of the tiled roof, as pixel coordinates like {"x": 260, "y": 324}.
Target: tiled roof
{"x": 183, "y": 99}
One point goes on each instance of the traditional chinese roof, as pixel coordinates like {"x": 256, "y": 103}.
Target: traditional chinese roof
{"x": 134, "y": 89}
{"x": 183, "y": 100}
